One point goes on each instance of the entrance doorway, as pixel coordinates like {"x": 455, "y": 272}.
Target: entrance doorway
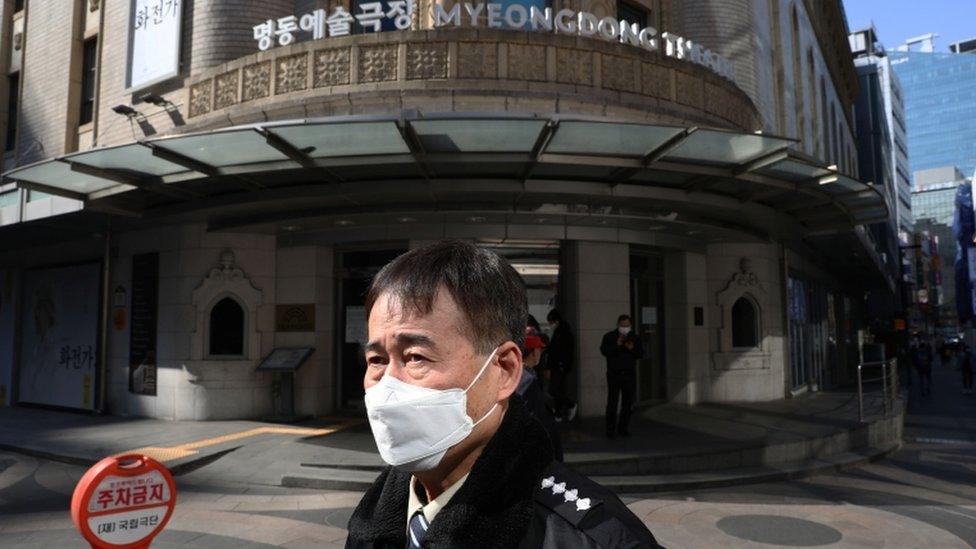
{"x": 356, "y": 269}
{"x": 647, "y": 313}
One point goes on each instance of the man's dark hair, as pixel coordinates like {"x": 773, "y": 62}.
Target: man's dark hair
{"x": 622, "y": 318}
{"x": 554, "y": 316}
{"x": 486, "y": 288}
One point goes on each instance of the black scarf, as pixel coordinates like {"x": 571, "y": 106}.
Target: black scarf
{"x": 491, "y": 509}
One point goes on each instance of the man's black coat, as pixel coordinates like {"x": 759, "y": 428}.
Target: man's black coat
{"x": 516, "y": 495}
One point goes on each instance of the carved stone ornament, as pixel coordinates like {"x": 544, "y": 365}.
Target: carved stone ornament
{"x": 226, "y": 280}
{"x": 745, "y": 284}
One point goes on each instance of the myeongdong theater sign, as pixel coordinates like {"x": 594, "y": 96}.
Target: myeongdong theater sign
{"x": 398, "y": 15}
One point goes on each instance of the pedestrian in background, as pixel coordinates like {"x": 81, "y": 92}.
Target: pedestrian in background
{"x": 623, "y": 349}
{"x": 559, "y": 362}
{"x": 530, "y": 389}
{"x": 966, "y": 367}
{"x": 923, "y": 365}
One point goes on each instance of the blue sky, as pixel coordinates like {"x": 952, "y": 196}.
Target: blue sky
{"x": 898, "y": 20}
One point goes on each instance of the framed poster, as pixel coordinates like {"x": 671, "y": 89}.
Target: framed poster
{"x": 154, "y": 42}
{"x": 142, "y": 334}
{"x": 59, "y": 336}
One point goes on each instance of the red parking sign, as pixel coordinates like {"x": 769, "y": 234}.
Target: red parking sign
{"x": 123, "y": 502}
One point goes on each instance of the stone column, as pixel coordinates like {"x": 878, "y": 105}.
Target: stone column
{"x": 596, "y": 281}
{"x": 687, "y": 345}
{"x": 305, "y": 276}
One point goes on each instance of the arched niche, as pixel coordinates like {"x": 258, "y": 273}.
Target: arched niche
{"x": 225, "y": 287}
{"x": 741, "y": 336}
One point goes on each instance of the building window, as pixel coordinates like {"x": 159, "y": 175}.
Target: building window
{"x": 18, "y": 5}
{"x": 632, "y": 14}
{"x": 89, "y": 61}
{"x": 227, "y": 328}
{"x": 745, "y": 324}
{"x": 13, "y": 93}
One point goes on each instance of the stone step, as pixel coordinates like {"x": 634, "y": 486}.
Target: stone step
{"x": 883, "y": 432}
{"x": 326, "y": 478}
{"x": 744, "y": 475}
{"x": 323, "y": 478}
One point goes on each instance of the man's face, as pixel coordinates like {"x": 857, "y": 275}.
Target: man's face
{"x": 625, "y": 323}
{"x": 429, "y": 351}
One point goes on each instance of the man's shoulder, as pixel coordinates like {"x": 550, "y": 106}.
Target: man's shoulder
{"x": 589, "y": 507}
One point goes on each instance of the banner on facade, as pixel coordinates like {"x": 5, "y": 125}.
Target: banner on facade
{"x": 154, "y": 41}
{"x": 59, "y": 336}
{"x": 142, "y": 334}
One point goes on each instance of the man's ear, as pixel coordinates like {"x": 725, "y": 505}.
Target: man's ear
{"x": 509, "y": 359}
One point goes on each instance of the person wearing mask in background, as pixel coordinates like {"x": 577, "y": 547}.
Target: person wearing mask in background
{"x": 559, "y": 361}
{"x": 530, "y": 389}
{"x": 623, "y": 349}
{"x": 470, "y": 467}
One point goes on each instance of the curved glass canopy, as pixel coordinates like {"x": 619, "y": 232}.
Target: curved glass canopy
{"x": 751, "y": 168}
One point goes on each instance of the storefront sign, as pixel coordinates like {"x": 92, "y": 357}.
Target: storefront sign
{"x": 123, "y": 502}
{"x": 142, "y": 336}
{"x": 154, "y": 41}
{"x": 295, "y": 318}
{"x": 372, "y": 17}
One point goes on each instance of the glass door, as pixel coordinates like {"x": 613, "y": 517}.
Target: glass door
{"x": 647, "y": 314}
{"x": 356, "y": 269}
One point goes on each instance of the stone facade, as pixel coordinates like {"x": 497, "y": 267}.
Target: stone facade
{"x": 456, "y": 70}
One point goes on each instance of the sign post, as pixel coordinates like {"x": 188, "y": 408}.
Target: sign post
{"x": 123, "y": 502}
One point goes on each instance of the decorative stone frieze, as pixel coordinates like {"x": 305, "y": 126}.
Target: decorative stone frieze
{"x": 619, "y": 73}
{"x": 688, "y": 89}
{"x": 200, "y": 97}
{"x": 225, "y": 89}
{"x": 331, "y": 67}
{"x": 426, "y": 61}
{"x": 377, "y": 63}
{"x": 680, "y": 91}
{"x": 257, "y": 81}
{"x": 574, "y": 66}
{"x": 655, "y": 80}
{"x": 477, "y": 60}
{"x": 291, "y": 73}
{"x": 527, "y": 62}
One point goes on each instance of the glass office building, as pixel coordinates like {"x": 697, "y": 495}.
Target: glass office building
{"x": 940, "y": 108}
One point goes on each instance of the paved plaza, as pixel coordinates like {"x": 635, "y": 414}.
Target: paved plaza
{"x": 922, "y": 496}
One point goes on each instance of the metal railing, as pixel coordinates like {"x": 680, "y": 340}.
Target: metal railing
{"x": 889, "y": 384}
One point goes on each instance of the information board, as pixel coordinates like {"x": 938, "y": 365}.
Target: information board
{"x": 142, "y": 335}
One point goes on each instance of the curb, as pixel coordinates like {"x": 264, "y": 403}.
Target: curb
{"x": 177, "y": 468}
{"x": 345, "y": 479}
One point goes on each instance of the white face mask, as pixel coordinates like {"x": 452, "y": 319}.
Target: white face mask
{"x": 624, "y": 330}
{"x": 414, "y": 426}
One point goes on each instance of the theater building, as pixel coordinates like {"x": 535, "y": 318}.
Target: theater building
{"x": 196, "y": 194}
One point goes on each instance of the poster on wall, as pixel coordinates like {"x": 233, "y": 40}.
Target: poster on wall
{"x": 142, "y": 334}
{"x": 154, "y": 41}
{"x": 59, "y": 336}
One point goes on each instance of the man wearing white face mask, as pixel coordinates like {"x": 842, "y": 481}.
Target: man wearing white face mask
{"x": 623, "y": 349}
{"x": 470, "y": 466}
